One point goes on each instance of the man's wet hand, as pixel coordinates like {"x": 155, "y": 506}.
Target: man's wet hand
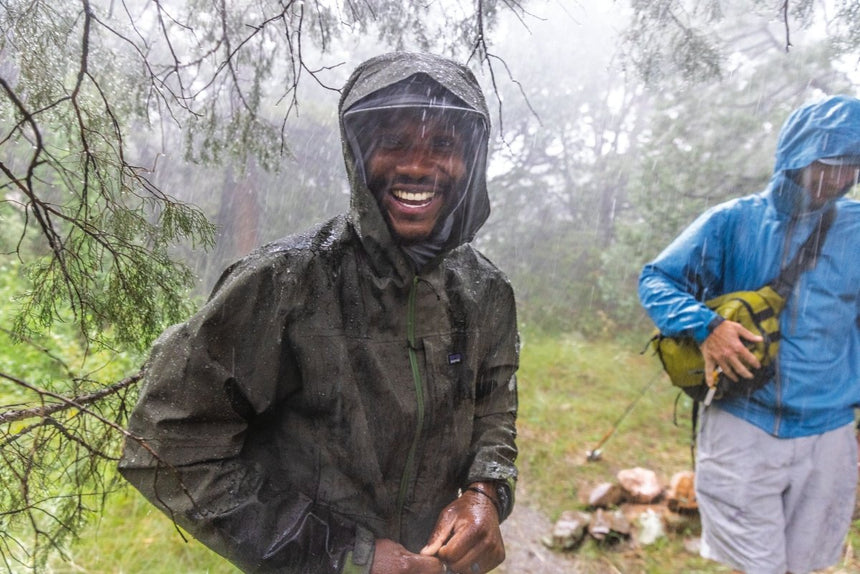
{"x": 725, "y": 348}
{"x": 467, "y": 536}
{"x": 389, "y": 557}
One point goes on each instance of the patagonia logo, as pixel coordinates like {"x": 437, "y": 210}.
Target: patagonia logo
{"x": 455, "y": 359}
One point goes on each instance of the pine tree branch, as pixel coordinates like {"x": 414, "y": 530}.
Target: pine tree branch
{"x": 65, "y": 402}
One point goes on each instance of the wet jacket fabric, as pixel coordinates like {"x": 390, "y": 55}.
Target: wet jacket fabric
{"x": 329, "y": 394}
{"x": 742, "y": 244}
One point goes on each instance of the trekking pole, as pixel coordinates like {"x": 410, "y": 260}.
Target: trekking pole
{"x": 595, "y": 453}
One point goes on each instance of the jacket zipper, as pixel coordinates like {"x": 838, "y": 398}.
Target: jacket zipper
{"x": 419, "y": 399}
{"x": 786, "y": 248}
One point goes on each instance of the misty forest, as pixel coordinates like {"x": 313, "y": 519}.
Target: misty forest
{"x": 147, "y": 144}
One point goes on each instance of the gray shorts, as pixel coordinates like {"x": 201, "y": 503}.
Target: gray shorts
{"x": 771, "y": 505}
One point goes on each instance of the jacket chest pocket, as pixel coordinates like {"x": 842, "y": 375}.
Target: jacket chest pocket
{"x": 450, "y": 371}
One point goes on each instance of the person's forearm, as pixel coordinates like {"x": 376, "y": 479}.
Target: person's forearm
{"x": 493, "y": 464}
{"x": 673, "y": 310}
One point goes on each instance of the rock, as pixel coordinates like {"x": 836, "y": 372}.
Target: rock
{"x": 639, "y": 485}
{"x": 609, "y": 525}
{"x": 605, "y": 494}
{"x": 681, "y": 522}
{"x": 600, "y": 525}
{"x": 569, "y": 529}
{"x": 619, "y": 523}
{"x": 650, "y": 528}
{"x": 633, "y": 512}
{"x": 681, "y": 495}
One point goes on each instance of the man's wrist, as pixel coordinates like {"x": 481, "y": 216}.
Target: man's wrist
{"x": 499, "y": 493}
{"x": 715, "y": 322}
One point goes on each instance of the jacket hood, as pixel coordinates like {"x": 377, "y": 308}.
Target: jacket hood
{"x": 392, "y": 82}
{"x": 824, "y": 129}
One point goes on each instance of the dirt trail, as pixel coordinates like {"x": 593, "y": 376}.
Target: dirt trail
{"x": 525, "y": 554}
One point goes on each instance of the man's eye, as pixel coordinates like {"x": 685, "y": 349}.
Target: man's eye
{"x": 391, "y": 142}
{"x": 444, "y": 144}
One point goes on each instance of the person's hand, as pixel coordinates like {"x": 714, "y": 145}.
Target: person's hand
{"x": 724, "y": 350}
{"x": 389, "y": 557}
{"x": 467, "y": 536}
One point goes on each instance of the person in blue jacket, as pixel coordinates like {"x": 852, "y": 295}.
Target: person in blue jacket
{"x": 776, "y": 470}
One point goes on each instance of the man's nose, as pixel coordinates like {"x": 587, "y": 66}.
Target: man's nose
{"x": 416, "y": 161}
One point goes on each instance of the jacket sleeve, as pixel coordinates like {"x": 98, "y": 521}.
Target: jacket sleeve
{"x": 205, "y": 382}
{"x": 674, "y": 286}
{"x": 494, "y": 431}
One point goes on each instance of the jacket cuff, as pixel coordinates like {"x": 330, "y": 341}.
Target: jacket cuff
{"x": 715, "y": 322}
{"x": 703, "y": 332}
{"x": 360, "y": 559}
{"x": 505, "y": 491}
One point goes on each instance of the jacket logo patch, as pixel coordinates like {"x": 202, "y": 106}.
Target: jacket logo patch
{"x": 455, "y": 359}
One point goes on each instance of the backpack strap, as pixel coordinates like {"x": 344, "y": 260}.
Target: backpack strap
{"x": 805, "y": 258}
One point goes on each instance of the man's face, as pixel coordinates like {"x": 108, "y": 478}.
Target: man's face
{"x": 826, "y": 182}
{"x": 416, "y": 169}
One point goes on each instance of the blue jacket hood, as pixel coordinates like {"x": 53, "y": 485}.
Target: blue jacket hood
{"x": 827, "y": 128}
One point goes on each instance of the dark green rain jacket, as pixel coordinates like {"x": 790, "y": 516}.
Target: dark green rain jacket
{"x": 328, "y": 394}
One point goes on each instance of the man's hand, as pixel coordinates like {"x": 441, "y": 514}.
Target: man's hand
{"x": 467, "y": 536}
{"x": 724, "y": 348}
{"x": 389, "y": 557}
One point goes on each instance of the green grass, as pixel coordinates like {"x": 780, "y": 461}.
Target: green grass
{"x": 572, "y": 392}
{"x": 133, "y": 537}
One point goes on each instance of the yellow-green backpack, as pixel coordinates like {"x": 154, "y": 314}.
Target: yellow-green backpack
{"x": 758, "y": 311}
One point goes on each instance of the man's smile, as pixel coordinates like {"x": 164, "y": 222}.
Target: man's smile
{"x": 413, "y": 198}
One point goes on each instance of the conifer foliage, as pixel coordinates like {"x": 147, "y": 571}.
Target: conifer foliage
{"x": 92, "y": 92}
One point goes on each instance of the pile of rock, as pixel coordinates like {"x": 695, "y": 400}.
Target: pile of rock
{"x": 635, "y": 507}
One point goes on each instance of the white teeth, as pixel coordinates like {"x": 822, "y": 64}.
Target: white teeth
{"x": 413, "y": 197}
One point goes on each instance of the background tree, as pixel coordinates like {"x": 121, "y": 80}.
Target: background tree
{"x": 561, "y": 168}
{"x": 692, "y": 39}
{"x": 714, "y": 139}
{"x": 622, "y": 152}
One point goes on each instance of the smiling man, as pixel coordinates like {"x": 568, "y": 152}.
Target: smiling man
{"x": 346, "y": 399}
{"x": 419, "y": 149}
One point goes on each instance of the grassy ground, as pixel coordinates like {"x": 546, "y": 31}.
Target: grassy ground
{"x": 572, "y": 392}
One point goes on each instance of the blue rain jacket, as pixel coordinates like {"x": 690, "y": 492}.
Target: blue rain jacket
{"x": 741, "y": 245}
